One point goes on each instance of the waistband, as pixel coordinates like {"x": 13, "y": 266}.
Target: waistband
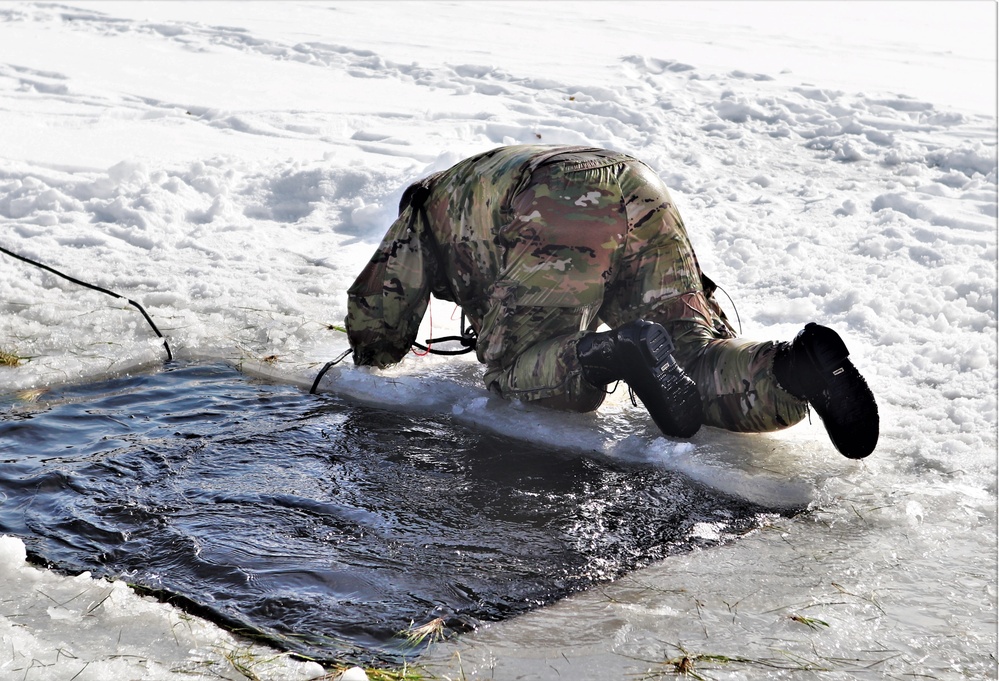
{"x": 586, "y": 159}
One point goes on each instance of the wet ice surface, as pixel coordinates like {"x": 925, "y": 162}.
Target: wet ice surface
{"x": 329, "y": 526}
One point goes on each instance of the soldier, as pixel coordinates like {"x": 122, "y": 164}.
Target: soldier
{"x": 538, "y": 245}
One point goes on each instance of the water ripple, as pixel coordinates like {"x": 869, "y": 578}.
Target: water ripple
{"x": 326, "y": 526}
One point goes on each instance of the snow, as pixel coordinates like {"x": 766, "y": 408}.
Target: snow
{"x": 231, "y": 167}
{"x": 57, "y": 627}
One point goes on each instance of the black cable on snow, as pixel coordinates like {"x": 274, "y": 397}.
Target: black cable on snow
{"x": 56, "y": 272}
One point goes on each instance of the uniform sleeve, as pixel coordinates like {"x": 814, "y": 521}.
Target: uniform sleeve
{"x": 386, "y": 302}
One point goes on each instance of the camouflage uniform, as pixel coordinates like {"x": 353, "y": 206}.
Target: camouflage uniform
{"x": 538, "y": 245}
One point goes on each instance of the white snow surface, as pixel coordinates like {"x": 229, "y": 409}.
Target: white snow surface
{"x": 231, "y": 166}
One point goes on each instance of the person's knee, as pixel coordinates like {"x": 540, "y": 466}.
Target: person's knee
{"x": 584, "y": 399}
{"x": 571, "y": 393}
{"x": 691, "y": 339}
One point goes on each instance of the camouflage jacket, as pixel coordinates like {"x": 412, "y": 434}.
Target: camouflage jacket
{"x": 446, "y": 241}
{"x": 533, "y": 242}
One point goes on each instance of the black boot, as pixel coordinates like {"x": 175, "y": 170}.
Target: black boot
{"x": 640, "y": 354}
{"x": 814, "y": 367}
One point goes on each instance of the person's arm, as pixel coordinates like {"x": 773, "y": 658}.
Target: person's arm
{"x": 386, "y": 302}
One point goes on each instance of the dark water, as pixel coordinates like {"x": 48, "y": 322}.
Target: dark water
{"x": 325, "y": 526}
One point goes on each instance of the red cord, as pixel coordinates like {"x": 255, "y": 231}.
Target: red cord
{"x": 430, "y": 318}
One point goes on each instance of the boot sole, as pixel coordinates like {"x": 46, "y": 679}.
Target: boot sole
{"x": 679, "y": 412}
{"x": 849, "y": 412}
{"x": 845, "y": 404}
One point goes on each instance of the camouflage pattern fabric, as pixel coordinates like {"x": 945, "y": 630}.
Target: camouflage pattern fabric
{"x": 735, "y": 379}
{"x": 540, "y": 245}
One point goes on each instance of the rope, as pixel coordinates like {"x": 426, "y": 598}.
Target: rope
{"x": 736, "y": 309}
{"x": 425, "y": 349}
{"x": 56, "y": 272}
{"x": 322, "y": 372}
{"x": 467, "y": 339}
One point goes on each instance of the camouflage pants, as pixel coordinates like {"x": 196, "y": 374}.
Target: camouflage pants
{"x": 735, "y": 379}
{"x": 588, "y": 239}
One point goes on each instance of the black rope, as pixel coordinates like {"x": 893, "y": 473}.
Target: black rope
{"x": 468, "y": 340}
{"x": 611, "y": 387}
{"x": 736, "y": 309}
{"x": 149, "y": 319}
{"x": 322, "y": 372}
{"x": 434, "y": 351}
